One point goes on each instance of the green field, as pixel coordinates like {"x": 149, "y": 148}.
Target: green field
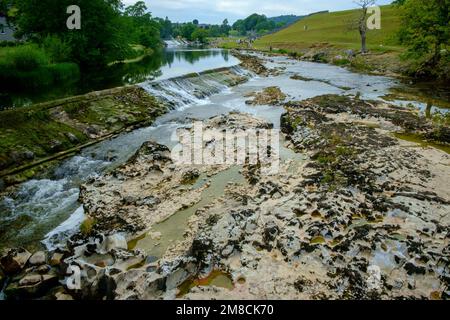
{"x": 332, "y": 28}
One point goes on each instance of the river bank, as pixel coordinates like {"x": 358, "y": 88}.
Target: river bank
{"x": 378, "y": 63}
{"x": 34, "y": 135}
{"x": 353, "y": 213}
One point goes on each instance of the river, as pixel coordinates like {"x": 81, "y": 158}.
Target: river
{"x": 46, "y": 211}
{"x": 168, "y": 63}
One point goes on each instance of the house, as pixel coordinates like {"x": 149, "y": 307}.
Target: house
{"x": 6, "y": 31}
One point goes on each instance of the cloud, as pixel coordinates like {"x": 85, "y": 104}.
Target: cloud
{"x": 214, "y": 11}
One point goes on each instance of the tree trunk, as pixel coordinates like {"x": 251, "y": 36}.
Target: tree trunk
{"x": 363, "y": 29}
{"x": 363, "y": 41}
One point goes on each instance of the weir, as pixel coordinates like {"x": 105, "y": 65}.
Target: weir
{"x": 48, "y": 208}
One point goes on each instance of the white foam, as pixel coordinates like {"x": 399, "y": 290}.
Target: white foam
{"x": 64, "y": 230}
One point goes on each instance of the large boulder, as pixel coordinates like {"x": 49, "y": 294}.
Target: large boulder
{"x": 116, "y": 241}
{"x": 56, "y": 259}
{"x": 14, "y": 260}
{"x": 31, "y": 286}
{"x": 38, "y": 258}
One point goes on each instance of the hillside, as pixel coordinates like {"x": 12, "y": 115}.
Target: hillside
{"x": 332, "y": 28}
{"x": 286, "y": 19}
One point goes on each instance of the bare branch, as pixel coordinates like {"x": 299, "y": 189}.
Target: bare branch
{"x": 364, "y": 4}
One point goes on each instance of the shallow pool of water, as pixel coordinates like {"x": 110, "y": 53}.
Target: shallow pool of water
{"x": 171, "y": 230}
{"x": 216, "y": 278}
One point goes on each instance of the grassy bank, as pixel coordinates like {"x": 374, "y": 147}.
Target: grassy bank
{"x": 28, "y": 67}
{"x": 332, "y": 28}
{"x": 326, "y": 37}
{"x": 137, "y": 54}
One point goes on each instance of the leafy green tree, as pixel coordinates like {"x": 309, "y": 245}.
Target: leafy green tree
{"x": 426, "y": 32}
{"x": 254, "y": 23}
{"x": 187, "y": 30}
{"x": 141, "y": 27}
{"x": 137, "y": 10}
{"x": 102, "y": 37}
{"x": 165, "y": 28}
{"x": 200, "y": 35}
{"x": 57, "y": 50}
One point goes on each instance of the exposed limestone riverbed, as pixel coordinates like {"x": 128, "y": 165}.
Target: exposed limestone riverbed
{"x": 353, "y": 213}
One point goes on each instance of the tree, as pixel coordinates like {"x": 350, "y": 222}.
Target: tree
{"x": 136, "y": 10}
{"x": 195, "y": 22}
{"x": 165, "y": 28}
{"x": 225, "y": 28}
{"x": 362, "y": 21}
{"x": 200, "y": 35}
{"x": 426, "y": 31}
{"x": 102, "y": 37}
{"x": 254, "y": 23}
{"x": 187, "y": 30}
{"x": 142, "y": 28}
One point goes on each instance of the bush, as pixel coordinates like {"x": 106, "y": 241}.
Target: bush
{"x": 342, "y": 62}
{"x": 295, "y": 54}
{"x": 27, "y": 68}
{"x": 87, "y": 226}
{"x": 41, "y": 77}
{"x": 64, "y": 71}
{"x": 57, "y": 50}
{"x": 25, "y": 58}
{"x": 4, "y": 44}
{"x": 281, "y": 51}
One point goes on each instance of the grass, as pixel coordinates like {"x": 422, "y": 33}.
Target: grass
{"x": 28, "y": 67}
{"x": 32, "y": 131}
{"x": 229, "y": 43}
{"x": 31, "y": 134}
{"x": 415, "y": 138}
{"x": 137, "y": 53}
{"x": 87, "y": 226}
{"x": 331, "y": 28}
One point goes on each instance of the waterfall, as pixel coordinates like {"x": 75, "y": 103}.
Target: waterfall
{"x": 182, "y": 92}
{"x": 40, "y": 205}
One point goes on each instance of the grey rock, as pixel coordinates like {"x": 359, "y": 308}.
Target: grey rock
{"x": 31, "y": 286}
{"x": 56, "y": 259}
{"x": 29, "y": 155}
{"x": 116, "y": 241}
{"x": 72, "y": 138}
{"x": 37, "y": 259}
{"x": 14, "y": 260}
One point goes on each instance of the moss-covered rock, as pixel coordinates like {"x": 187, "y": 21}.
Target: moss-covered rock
{"x": 30, "y": 135}
{"x": 269, "y": 96}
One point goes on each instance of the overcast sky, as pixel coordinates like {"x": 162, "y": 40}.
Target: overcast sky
{"x": 215, "y": 11}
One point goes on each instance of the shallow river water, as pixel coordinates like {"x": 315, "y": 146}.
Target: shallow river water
{"x": 46, "y": 211}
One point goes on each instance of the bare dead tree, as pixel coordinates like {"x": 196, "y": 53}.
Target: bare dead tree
{"x": 360, "y": 23}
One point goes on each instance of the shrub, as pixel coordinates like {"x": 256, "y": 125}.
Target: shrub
{"x": 295, "y": 54}
{"x": 4, "y": 44}
{"x": 57, "y": 50}
{"x": 342, "y": 62}
{"x": 64, "y": 71}
{"x": 282, "y": 51}
{"x": 25, "y": 58}
{"x": 27, "y": 68}
{"x": 87, "y": 226}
